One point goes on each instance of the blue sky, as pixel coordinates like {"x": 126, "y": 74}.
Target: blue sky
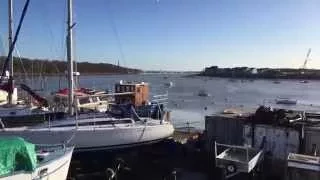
{"x": 173, "y": 34}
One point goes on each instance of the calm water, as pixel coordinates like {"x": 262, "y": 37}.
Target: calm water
{"x": 187, "y": 106}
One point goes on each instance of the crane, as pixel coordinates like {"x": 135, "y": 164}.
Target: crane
{"x": 306, "y": 60}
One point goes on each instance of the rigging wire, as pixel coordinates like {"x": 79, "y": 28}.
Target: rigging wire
{"x": 45, "y": 12}
{"x": 21, "y": 62}
{"x": 116, "y": 33}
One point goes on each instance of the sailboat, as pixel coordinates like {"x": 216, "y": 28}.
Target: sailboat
{"x": 15, "y": 113}
{"x": 21, "y": 160}
{"x": 89, "y": 132}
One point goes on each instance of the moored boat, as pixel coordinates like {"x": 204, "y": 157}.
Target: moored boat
{"x": 304, "y": 81}
{"x": 286, "y": 101}
{"x": 169, "y": 84}
{"x": 203, "y": 93}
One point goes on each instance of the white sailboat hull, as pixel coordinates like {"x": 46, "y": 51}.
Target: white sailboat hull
{"x": 97, "y": 137}
{"x": 56, "y": 169}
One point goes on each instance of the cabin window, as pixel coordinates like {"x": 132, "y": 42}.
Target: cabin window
{"x": 84, "y": 100}
{"x": 118, "y": 89}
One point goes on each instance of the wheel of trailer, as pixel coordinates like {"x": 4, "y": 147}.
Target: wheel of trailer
{"x": 231, "y": 168}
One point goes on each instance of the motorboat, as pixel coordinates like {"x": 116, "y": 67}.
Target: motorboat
{"x": 22, "y": 160}
{"x": 286, "y": 101}
{"x": 276, "y": 82}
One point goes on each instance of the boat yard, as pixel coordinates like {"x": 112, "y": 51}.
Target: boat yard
{"x": 87, "y": 130}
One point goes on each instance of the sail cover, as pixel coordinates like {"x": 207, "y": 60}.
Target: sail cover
{"x": 16, "y": 154}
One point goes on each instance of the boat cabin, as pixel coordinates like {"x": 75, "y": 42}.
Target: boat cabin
{"x": 86, "y": 100}
{"x": 132, "y": 93}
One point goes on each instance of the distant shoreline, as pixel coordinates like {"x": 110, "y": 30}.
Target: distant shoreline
{"x": 45, "y": 67}
{"x": 252, "y": 78}
{"x": 261, "y": 73}
{"x": 62, "y": 74}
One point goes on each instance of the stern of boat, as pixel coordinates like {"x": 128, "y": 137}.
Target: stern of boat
{"x": 57, "y": 168}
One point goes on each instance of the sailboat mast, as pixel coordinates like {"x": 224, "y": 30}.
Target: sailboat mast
{"x": 70, "y": 59}
{"x": 10, "y": 26}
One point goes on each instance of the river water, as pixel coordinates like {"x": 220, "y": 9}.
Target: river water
{"x": 187, "y": 106}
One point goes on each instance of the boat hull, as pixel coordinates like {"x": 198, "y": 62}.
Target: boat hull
{"x": 96, "y": 137}
{"x": 30, "y": 119}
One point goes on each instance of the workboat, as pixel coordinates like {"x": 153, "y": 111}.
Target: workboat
{"x": 21, "y": 160}
{"x": 97, "y": 132}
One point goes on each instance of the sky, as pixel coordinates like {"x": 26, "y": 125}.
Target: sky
{"x": 172, "y": 34}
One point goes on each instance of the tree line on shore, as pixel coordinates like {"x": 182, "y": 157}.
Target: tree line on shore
{"x": 54, "y": 67}
{"x": 269, "y": 73}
